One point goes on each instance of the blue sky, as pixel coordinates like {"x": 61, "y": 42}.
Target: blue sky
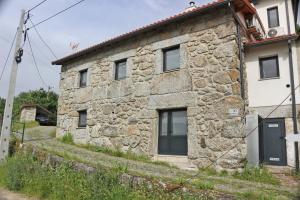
{"x": 88, "y": 23}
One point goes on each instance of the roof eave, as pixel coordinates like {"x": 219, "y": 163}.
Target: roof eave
{"x": 276, "y": 40}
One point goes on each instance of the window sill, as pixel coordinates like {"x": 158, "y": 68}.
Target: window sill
{"x": 266, "y": 79}
{"x": 169, "y": 71}
{"x": 81, "y": 128}
{"x": 121, "y": 79}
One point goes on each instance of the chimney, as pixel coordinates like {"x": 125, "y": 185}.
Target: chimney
{"x": 191, "y": 7}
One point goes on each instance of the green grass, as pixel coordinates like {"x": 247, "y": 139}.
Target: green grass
{"x": 68, "y": 139}
{"x": 256, "y": 174}
{"x": 127, "y": 155}
{"x": 19, "y": 126}
{"x": 23, "y": 173}
{"x": 203, "y": 185}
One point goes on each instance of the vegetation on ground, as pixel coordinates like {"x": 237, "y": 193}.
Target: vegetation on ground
{"x": 127, "y": 155}
{"x": 257, "y": 174}
{"x": 253, "y": 174}
{"x": 67, "y": 138}
{"x": 24, "y": 173}
{"x": 16, "y": 126}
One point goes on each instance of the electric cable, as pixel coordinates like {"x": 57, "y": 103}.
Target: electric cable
{"x": 250, "y": 132}
{"x": 37, "y": 5}
{"x": 35, "y": 63}
{"x": 52, "y": 16}
{"x": 41, "y": 38}
{"x": 8, "y": 55}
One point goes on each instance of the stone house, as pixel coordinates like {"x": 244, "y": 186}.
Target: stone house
{"x": 172, "y": 90}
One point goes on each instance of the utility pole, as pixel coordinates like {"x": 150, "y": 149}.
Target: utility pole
{"x": 7, "y": 117}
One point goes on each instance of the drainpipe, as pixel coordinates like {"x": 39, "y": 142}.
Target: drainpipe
{"x": 294, "y": 112}
{"x": 241, "y": 58}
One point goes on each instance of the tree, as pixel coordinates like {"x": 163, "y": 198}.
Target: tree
{"x": 41, "y": 97}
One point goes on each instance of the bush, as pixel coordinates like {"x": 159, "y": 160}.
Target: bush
{"x": 68, "y": 139}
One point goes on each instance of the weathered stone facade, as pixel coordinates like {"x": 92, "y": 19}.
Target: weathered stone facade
{"x": 124, "y": 113}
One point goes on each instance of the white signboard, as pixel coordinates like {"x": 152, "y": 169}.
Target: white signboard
{"x": 293, "y": 137}
{"x": 234, "y": 112}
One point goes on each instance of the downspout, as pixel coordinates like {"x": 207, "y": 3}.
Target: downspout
{"x": 294, "y": 112}
{"x": 240, "y": 46}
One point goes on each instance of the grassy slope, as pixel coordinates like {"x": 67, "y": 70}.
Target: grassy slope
{"x": 225, "y": 183}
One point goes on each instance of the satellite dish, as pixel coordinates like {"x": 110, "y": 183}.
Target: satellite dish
{"x": 272, "y": 32}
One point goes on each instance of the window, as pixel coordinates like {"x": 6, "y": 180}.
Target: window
{"x": 171, "y": 58}
{"x": 273, "y": 18}
{"x": 172, "y": 132}
{"x": 120, "y": 70}
{"x": 83, "y": 78}
{"x": 82, "y": 118}
{"x": 269, "y": 67}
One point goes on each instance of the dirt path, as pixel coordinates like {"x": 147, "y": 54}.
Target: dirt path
{"x": 8, "y": 195}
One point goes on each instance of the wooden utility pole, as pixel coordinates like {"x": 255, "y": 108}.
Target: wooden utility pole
{"x": 7, "y": 117}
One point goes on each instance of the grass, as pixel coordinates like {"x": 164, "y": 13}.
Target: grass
{"x": 23, "y": 173}
{"x": 127, "y": 155}
{"x": 203, "y": 185}
{"x": 19, "y": 126}
{"x": 257, "y": 174}
{"x": 68, "y": 139}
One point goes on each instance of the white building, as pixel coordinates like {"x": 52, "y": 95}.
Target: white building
{"x": 268, "y": 81}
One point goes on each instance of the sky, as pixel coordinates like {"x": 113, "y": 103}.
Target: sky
{"x": 87, "y": 24}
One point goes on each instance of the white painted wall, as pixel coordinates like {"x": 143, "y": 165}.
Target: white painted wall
{"x": 270, "y": 92}
{"x": 263, "y": 5}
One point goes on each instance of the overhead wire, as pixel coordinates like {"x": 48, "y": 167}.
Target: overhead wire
{"x": 41, "y": 38}
{"x": 35, "y": 63}
{"x": 52, "y": 16}
{"x": 37, "y": 5}
{"x": 8, "y": 55}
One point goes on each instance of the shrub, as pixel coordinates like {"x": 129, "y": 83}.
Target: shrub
{"x": 68, "y": 139}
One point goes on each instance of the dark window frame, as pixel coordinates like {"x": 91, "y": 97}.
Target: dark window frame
{"x": 81, "y": 85}
{"x": 80, "y": 112}
{"x": 170, "y": 136}
{"x": 117, "y": 69}
{"x": 269, "y": 19}
{"x": 169, "y": 123}
{"x": 261, "y": 67}
{"x": 164, "y": 57}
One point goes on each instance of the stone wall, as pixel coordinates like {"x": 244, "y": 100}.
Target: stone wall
{"x": 124, "y": 114}
{"x": 28, "y": 114}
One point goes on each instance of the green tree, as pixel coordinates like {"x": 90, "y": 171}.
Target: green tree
{"x": 41, "y": 97}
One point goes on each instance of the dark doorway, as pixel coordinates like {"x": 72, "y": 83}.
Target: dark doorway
{"x": 172, "y": 132}
{"x": 272, "y": 142}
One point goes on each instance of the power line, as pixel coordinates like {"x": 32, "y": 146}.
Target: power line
{"x": 250, "y": 132}
{"x": 6, "y": 60}
{"x": 37, "y": 5}
{"x": 35, "y": 64}
{"x": 41, "y": 38}
{"x": 57, "y": 13}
